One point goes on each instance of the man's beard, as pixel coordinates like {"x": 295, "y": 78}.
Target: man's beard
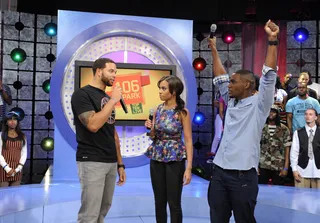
{"x": 106, "y": 81}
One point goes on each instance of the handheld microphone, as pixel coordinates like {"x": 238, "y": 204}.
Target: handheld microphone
{"x": 151, "y": 112}
{"x": 213, "y": 29}
{"x": 123, "y": 105}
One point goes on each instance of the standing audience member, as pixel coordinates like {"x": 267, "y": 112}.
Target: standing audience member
{"x": 13, "y": 151}
{"x": 305, "y": 152}
{"x": 297, "y": 106}
{"x": 275, "y": 146}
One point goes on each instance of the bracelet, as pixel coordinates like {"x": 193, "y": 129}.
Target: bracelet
{"x": 286, "y": 169}
{"x": 114, "y": 100}
{"x": 5, "y": 166}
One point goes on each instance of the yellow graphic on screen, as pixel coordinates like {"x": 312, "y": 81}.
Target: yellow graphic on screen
{"x": 139, "y": 90}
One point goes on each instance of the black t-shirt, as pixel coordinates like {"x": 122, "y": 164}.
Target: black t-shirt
{"x": 99, "y": 146}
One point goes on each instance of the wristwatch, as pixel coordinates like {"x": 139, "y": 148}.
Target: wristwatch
{"x": 121, "y": 165}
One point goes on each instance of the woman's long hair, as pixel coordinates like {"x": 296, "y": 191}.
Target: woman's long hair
{"x": 5, "y": 129}
{"x": 175, "y": 86}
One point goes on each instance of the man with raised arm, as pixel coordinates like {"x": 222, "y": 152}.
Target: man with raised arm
{"x": 234, "y": 184}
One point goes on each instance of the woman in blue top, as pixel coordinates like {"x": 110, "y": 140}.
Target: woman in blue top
{"x": 169, "y": 149}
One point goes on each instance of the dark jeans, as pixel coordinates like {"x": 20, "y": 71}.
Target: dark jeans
{"x": 233, "y": 190}
{"x": 167, "y": 183}
{"x": 266, "y": 174}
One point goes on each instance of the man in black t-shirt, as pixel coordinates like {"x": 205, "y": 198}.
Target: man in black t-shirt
{"x": 98, "y": 152}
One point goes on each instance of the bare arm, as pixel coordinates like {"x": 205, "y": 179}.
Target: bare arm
{"x": 217, "y": 67}
{"x": 286, "y": 157}
{"x": 268, "y": 79}
{"x": 289, "y": 121}
{"x": 187, "y": 132}
{"x": 272, "y": 30}
{"x": 95, "y": 120}
{"x": 117, "y": 141}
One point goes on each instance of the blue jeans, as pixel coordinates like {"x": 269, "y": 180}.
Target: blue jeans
{"x": 233, "y": 190}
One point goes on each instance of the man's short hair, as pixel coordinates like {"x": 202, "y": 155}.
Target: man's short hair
{"x": 100, "y": 63}
{"x": 313, "y": 109}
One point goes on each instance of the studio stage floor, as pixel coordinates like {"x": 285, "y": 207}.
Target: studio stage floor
{"x": 58, "y": 202}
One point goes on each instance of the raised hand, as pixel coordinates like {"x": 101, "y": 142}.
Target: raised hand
{"x": 271, "y": 29}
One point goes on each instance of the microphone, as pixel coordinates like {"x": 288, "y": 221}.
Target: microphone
{"x": 151, "y": 112}
{"x": 123, "y": 105}
{"x": 213, "y": 29}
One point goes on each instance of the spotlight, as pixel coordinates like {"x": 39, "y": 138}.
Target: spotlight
{"x": 228, "y": 37}
{"x": 199, "y": 91}
{"x": 46, "y": 86}
{"x": 17, "y": 85}
{"x": 50, "y": 57}
{"x": 19, "y": 26}
{"x": 200, "y": 37}
{"x": 48, "y": 115}
{"x": 301, "y": 62}
{"x": 50, "y": 29}
{"x": 20, "y": 112}
{"x": 227, "y": 63}
{"x": 199, "y": 64}
{"x": 301, "y": 34}
{"x": 198, "y": 145}
{"x": 47, "y": 144}
{"x": 199, "y": 118}
{"x": 18, "y": 55}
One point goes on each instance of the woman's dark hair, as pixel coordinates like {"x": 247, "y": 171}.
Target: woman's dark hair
{"x": 5, "y": 128}
{"x": 175, "y": 86}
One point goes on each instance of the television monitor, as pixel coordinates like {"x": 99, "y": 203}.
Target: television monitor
{"x": 139, "y": 88}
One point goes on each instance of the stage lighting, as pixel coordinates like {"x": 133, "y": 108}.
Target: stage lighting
{"x": 227, "y": 63}
{"x": 17, "y": 85}
{"x": 19, "y": 26}
{"x": 48, "y": 115}
{"x": 46, "y": 86}
{"x": 19, "y": 111}
{"x": 199, "y": 64}
{"x": 301, "y": 34}
{"x": 47, "y": 144}
{"x": 50, "y": 57}
{"x": 50, "y": 29}
{"x": 199, "y": 118}
{"x": 199, "y": 91}
{"x": 301, "y": 62}
{"x": 228, "y": 37}
{"x": 200, "y": 37}
{"x": 198, "y": 145}
{"x": 18, "y": 55}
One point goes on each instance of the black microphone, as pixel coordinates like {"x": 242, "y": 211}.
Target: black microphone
{"x": 124, "y": 106}
{"x": 213, "y": 29}
{"x": 151, "y": 112}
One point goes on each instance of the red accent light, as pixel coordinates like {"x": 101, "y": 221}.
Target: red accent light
{"x": 199, "y": 64}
